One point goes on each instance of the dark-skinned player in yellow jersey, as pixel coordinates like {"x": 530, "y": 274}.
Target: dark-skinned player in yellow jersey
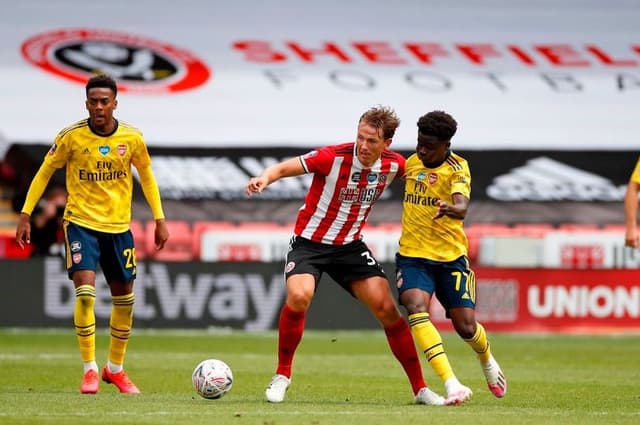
{"x": 98, "y": 153}
{"x": 432, "y": 255}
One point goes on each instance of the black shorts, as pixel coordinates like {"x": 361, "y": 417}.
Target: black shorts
{"x": 343, "y": 263}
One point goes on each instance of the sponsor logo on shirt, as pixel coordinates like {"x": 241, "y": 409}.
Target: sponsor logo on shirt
{"x": 359, "y": 195}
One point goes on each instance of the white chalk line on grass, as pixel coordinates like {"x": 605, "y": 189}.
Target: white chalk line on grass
{"x": 37, "y": 356}
{"x": 177, "y": 356}
{"x": 306, "y": 412}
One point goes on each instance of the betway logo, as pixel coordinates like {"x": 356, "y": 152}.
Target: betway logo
{"x": 206, "y": 298}
{"x": 583, "y": 301}
{"x": 545, "y": 179}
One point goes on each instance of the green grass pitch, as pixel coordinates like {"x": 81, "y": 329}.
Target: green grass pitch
{"x": 344, "y": 377}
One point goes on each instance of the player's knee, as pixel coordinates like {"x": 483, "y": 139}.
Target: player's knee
{"x": 414, "y": 306}
{"x": 465, "y": 329}
{"x": 385, "y": 311}
{"x": 299, "y": 301}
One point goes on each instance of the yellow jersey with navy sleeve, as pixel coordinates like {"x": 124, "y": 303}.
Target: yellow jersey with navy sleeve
{"x": 99, "y": 177}
{"x": 442, "y": 239}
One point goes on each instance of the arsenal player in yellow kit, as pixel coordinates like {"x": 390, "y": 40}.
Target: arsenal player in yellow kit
{"x": 98, "y": 153}
{"x": 433, "y": 253}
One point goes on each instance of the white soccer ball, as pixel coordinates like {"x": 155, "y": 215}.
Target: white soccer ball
{"x": 212, "y": 378}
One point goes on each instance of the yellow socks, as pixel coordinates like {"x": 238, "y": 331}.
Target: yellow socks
{"x": 430, "y": 342}
{"x": 121, "y": 322}
{"x": 84, "y": 320}
{"x": 480, "y": 344}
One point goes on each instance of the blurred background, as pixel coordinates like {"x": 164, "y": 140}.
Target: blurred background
{"x": 546, "y": 95}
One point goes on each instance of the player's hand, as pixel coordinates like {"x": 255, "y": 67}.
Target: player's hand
{"x": 23, "y": 230}
{"x": 255, "y": 185}
{"x": 161, "y": 234}
{"x": 443, "y": 209}
{"x": 631, "y": 239}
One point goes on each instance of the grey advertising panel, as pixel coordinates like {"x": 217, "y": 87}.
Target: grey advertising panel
{"x": 247, "y": 296}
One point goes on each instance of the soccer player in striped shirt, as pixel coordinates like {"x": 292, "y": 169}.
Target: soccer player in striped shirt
{"x": 347, "y": 180}
{"x": 433, "y": 253}
{"x": 98, "y": 153}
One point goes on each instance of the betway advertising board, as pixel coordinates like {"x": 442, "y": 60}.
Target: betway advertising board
{"x": 249, "y": 296}
{"x": 523, "y": 75}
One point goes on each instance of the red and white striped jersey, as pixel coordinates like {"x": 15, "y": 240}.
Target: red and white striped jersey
{"x": 342, "y": 192}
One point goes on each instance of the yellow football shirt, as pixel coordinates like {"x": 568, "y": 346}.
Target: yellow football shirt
{"x": 442, "y": 239}
{"x": 635, "y": 176}
{"x": 99, "y": 177}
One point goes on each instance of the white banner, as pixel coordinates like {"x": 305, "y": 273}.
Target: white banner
{"x": 588, "y": 250}
{"x": 271, "y": 245}
{"x": 515, "y": 74}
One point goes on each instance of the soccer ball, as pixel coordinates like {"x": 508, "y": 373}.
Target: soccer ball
{"x": 212, "y": 378}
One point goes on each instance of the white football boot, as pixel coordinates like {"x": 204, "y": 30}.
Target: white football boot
{"x": 277, "y": 389}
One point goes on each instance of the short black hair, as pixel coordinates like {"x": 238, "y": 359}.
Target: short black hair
{"x": 438, "y": 124}
{"x": 102, "y": 80}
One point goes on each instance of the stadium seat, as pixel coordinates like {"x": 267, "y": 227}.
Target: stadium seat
{"x": 475, "y": 232}
{"x": 578, "y": 227}
{"x": 9, "y": 248}
{"x": 179, "y": 247}
{"x": 199, "y": 227}
{"x": 534, "y": 230}
{"x": 260, "y": 225}
{"x": 138, "y": 231}
{"x": 614, "y": 228}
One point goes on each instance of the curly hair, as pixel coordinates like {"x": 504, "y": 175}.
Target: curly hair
{"x": 438, "y": 124}
{"x": 383, "y": 118}
{"x": 102, "y": 80}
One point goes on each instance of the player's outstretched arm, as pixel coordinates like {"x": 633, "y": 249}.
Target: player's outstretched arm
{"x": 631, "y": 238}
{"x": 290, "y": 167}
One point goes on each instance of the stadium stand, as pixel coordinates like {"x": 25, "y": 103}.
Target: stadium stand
{"x": 178, "y": 248}
{"x": 200, "y": 227}
{"x": 578, "y": 227}
{"x": 9, "y": 248}
{"x": 477, "y": 231}
{"x": 139, "y": 238}
{"x": 536, "y": 230}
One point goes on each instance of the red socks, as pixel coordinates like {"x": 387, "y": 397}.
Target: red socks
{"x": 403, "y": 347}
{"x": 290, "y": 329}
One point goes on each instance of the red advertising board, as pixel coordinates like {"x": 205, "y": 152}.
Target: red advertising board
{"x": 555, "y": 300}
